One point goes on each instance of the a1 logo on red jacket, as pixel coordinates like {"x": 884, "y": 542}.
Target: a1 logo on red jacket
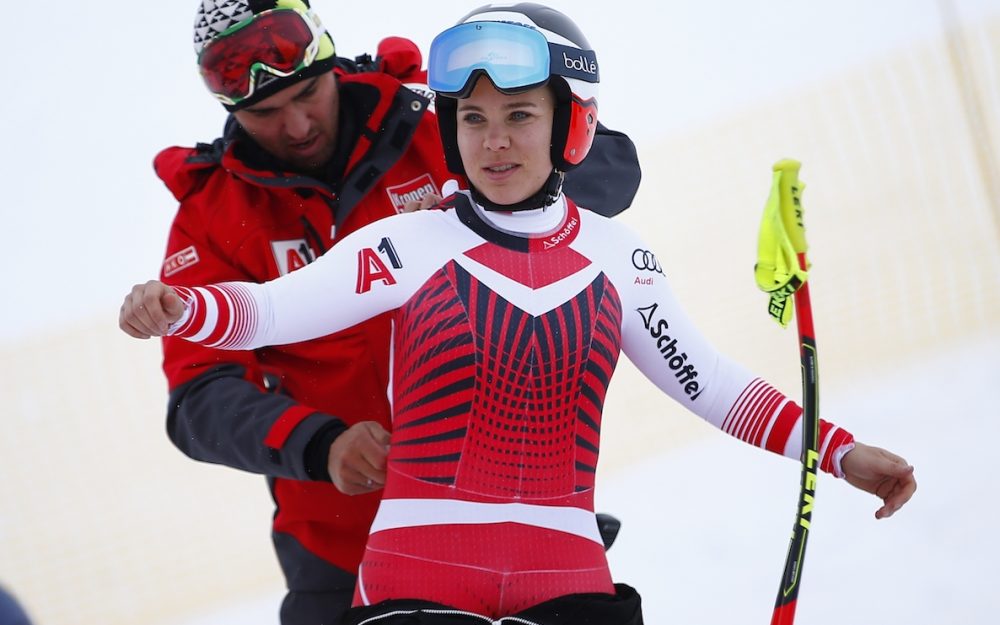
{"x": 291, "y": 254}
{"x": 371, "y": 267}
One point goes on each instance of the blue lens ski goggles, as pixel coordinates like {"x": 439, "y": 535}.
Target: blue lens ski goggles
{"x": 515, "y": 57}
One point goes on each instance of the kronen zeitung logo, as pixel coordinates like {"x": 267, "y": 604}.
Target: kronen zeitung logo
{"x": 676, "y": 359}
{"x": 400, "y": 199}
{"x": 411, "y": 191}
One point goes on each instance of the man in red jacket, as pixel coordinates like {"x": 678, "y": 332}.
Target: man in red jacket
{"x": 316, "y": 146}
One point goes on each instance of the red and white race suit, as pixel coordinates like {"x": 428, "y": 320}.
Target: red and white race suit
{"x": 506, "y": 331}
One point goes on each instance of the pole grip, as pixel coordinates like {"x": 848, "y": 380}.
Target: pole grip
{"x": 792, "y": 216}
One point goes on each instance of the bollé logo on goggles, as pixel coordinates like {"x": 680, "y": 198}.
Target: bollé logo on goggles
{"x": 581, "y": 64}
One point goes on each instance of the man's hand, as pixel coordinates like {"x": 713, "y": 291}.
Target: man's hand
{"x": 149, "y": 310}
{"x": 423, "y": 203}
{"x": 357, "y": 458}
{"x": 881, "y": 473}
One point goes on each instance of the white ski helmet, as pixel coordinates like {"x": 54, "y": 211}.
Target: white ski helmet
{"x": 519, "y": 46}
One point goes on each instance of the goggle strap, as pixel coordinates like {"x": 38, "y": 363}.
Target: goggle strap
{"x": 573, "y": 63}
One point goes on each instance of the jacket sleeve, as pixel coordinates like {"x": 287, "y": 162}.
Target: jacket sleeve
{"x": 222, "y": 408}
{"x": 223, "y": 418}
{"x": 607, "y": 180}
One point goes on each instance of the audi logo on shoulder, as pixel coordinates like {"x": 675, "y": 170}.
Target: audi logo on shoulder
{"x": 646, "y": 261}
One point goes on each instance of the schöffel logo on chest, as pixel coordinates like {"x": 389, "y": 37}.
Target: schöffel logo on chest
{"x": 410, "y": 191}
{"x": 568, "y": 230}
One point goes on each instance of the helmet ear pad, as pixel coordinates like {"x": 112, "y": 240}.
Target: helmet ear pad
{"x": 447, "y": 118}
{"x": 573, "y": 126}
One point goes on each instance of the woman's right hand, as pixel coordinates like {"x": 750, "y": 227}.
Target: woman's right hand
{"x": 149, "y": 310}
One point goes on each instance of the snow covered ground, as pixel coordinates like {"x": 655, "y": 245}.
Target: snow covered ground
{"x": 706, "y": 525}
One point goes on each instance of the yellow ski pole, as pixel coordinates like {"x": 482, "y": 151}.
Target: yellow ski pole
{"x": 782, "y": 271}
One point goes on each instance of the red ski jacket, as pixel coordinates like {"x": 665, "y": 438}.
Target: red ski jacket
{"x": 237, "y": 221}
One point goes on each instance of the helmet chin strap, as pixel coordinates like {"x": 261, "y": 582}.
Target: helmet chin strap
{"x": 546, "y": 196}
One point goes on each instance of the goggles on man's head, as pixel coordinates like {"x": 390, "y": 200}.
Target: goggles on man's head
{"x": 280, "y": 42}
{"x": 515, "y": 57}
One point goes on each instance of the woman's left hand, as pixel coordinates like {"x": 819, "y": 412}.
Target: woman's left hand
{"x": 881, "y": 473}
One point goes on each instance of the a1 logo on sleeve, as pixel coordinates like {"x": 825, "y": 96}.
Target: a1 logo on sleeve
{"x": 371, "y": 267}
{"x": 181, "y": 260}
{"x": 291, "y": 254}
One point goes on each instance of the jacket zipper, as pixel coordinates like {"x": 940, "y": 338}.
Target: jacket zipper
{"x": 312, "y": 235}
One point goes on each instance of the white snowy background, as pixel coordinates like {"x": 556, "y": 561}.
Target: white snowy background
{"x": 107, "y": 87}
{"x": 98, "y": 89}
